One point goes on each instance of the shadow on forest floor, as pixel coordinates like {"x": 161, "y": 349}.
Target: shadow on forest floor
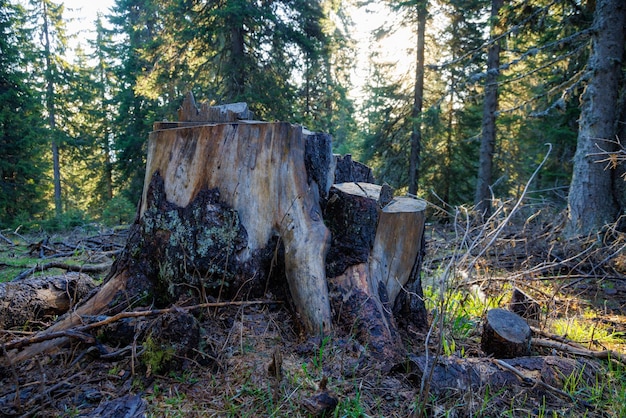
{"x": 252, "y": 361}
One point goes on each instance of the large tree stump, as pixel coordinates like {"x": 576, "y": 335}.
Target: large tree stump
{"x": 232, "y": 203}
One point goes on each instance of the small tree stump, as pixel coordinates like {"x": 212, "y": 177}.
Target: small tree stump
{"x": 374, "y": 253}
{"x": 524, "y": 305}
{"x": 505, "y": 334}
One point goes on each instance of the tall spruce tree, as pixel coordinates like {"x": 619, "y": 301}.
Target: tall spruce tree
{"x": 421, "y": 10}
{"x": 22, "y": 166}
{"x": 101, "y": 110}
{"x": 137, "y": 23}
{"x": 452, "y": 152}
{"x": 490, "y": 107}
{"x": 592, "y": 203}
{"x": 47, "y": 19}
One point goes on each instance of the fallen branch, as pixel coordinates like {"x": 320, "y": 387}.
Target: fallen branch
{"x": 85, "y": 268}
{"x": 579, "y": 351}
{"x": 530, "y": 380}
{"x": 79, "y": 332}
{"x": 5, "y": 239}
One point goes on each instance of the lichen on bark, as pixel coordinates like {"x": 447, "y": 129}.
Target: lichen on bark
{"x": 188, "y": 248}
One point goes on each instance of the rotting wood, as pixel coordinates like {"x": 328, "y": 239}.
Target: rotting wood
{"x": 463, "y": 375}
{"x": 41, "y": 298}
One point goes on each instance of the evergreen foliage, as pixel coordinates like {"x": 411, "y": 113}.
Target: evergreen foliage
{"x": 544, "y": 47}
{"x": 80, "y": 125}
{"x": 22, "y": 164}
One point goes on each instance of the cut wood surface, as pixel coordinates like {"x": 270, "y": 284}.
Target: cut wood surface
{"x": 398, "y": 244}
{"x": 505, "y": 334}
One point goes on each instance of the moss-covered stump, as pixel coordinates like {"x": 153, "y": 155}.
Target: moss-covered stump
{"x": 186, "y": 252}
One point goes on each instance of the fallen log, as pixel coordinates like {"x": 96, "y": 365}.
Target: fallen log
{"x": 449, "y": 375}
{"x": 41, "y": 298}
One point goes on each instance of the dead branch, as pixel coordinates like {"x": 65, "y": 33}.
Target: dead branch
{"x": 85, "y": 268}
{"x": 80, "y": 331}
{"x": 528, "y": 379}
{"x": 5, "y": 239}
{"x": 579, "y": 351}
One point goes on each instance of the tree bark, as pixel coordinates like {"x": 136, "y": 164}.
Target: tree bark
{"x": 418, "y": 99}
{"x": 482, "y": 199}
{"x": 591, "y": 201}
{"x": 56, "y": 167}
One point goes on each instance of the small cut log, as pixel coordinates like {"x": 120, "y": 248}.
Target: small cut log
{"x": 505, "y": 334}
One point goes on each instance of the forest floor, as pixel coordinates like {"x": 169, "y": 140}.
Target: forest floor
{"x": 255, "y": 362}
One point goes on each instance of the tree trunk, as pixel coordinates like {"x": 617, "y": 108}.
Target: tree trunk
{"x": 482, "y": 199}
{"x": 591, "y": 201}
{"x": 230, "y": 208}
{"x": 418, "y": 99}
{"x": 56, "y": 167}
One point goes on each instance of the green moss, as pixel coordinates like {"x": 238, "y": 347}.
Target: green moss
{"x": 155, "y": 356}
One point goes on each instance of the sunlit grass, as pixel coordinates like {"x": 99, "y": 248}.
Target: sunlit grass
{"x": 586, "y": 330}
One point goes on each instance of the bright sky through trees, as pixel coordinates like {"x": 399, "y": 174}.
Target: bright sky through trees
{"x": 81, "y": 16}
{"x": 396, "y": 48}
